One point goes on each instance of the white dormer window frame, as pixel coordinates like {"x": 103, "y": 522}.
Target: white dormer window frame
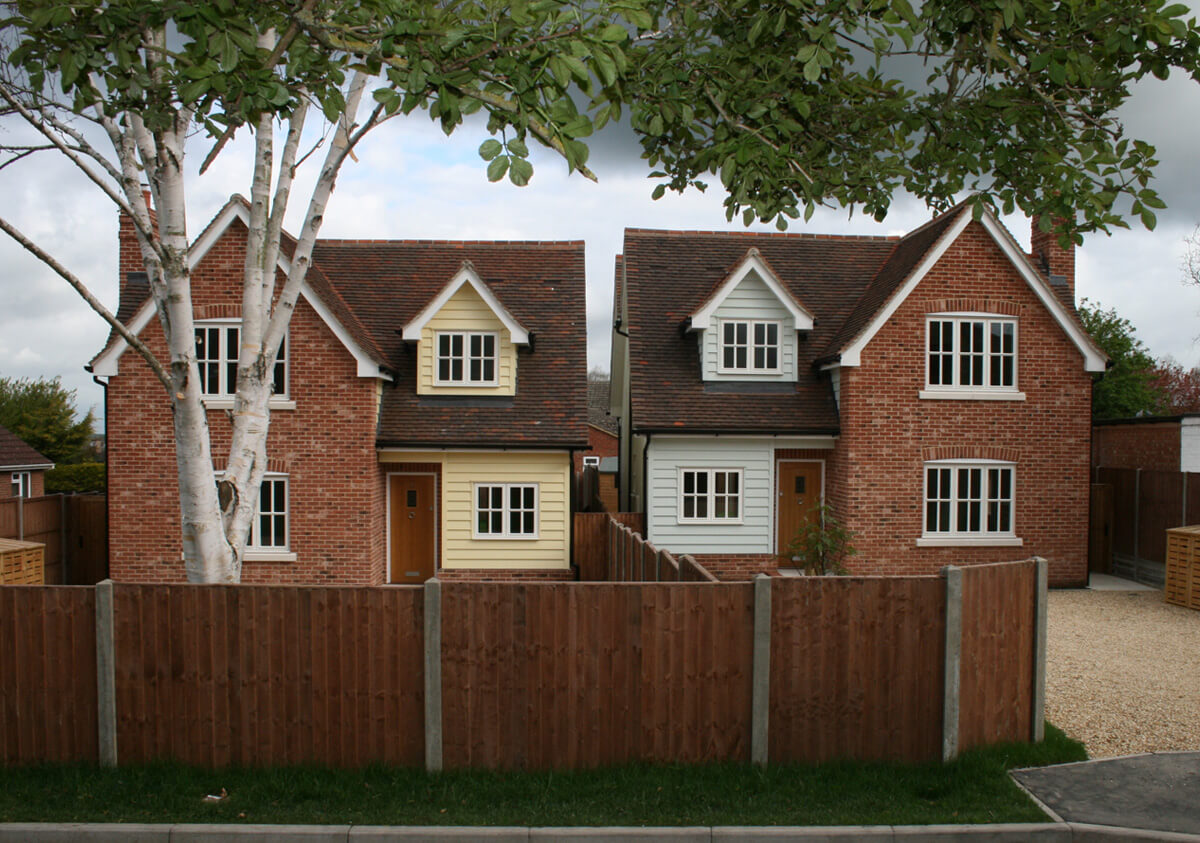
{"x": 749, "y": 346}
{"x": 703, "y": 317}
{"x": 971, "y": 356}
{"x": 463, "y": 358}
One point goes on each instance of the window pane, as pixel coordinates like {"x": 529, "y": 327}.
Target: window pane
{"x": 731, "y": 508}
{"x": 476, "y": 369}
{"x": 456, "y": 369}
{"x": 482, "y": 522}
{"x": 741, "y": 332}
{"x": 514, "y": 522}
{"x": 529, "y": 527}
{"x": 702, "y": 482}
{"x": 689, "y": 482}
{"x": 701, "y": 507}
{"x": 719, "y": 482}
{"x": 772, "y": 358}
{"x": 719, "y": 507}
{"x": 530, "y": 493}
{"x": 689, "y": 507}
{"x": 489, "y": 369}
{"x": 740, "y": 357}
{"x": 729, "y": 357}
{"x": 497, "y": 523}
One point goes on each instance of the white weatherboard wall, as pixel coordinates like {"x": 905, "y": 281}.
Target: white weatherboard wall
{"x": 666, "y": 455}
{"x": 750, "y": 300}
{"x": 1189, "y": 443}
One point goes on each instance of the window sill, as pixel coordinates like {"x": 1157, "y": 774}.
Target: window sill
{"x": 505, "y": 538}
{"x": 227, "y": 403}
{"x": 709, "y": 522}
{"x": 268, "y": 556}
{"x": 970, "y": 395}
{"x": 970, "y": 541}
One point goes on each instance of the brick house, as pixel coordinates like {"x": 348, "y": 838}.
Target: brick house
{"x": 933, "y": 389}
{"x": 428, "y": 401}
{"x": 22, "y": 466}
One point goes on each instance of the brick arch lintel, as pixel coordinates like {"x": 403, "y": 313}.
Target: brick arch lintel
{"x": 274, "y": 465}
{"x": 971, "y": 305}
{"x": 969, "y": 452}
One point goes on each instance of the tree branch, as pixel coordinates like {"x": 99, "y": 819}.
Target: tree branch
{"x": 93, "y": 302}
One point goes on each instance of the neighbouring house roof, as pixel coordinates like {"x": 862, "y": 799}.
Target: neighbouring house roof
{"x": 599, "y": 396}
{"x": 850, "y": 284}
{"x": 387, "y": 284}
{"x": 669, "y": 274}
{"x": 16, "y": 453}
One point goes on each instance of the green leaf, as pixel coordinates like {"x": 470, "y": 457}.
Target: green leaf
{"x": 517, "y": 147}
{"x": 520, "y": 171}
{"x": 659, "y": 190}
{"x": 489, "y": 149}
{"x": 497, "y": 168}
{"x": 812, "y": 70}
{"x": 614, "y": 33}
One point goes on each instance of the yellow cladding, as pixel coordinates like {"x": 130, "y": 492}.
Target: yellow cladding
{"x": 466, "y": 311}
{"x": 461, "y": 471}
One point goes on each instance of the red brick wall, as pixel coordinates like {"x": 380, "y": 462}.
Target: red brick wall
{"x": 738, "y": 567}
{"x": 601, "y": 443}
{"x": 37, "y": 484}
{"x": 326, "y": 445}
{"x": 1151, "y": 446}
{"x": 875, "y": 478}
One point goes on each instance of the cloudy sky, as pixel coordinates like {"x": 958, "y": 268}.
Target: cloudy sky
{"x": 412, "y": 182}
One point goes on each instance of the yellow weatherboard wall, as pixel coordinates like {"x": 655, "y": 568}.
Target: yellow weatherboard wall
{"x": 466, "y": 311}
{"x": 551, "y": 471}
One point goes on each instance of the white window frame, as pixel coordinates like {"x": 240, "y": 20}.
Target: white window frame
{"x": 22, "y": 484}
{"x": 591, "y": 461}
{"x": 257, "y": 552}
{"x": 466, "y": 358}
{"x": 506, "y": 511}
{"x": 751, "y": 345}
{"x": 222, "y": 398}
{"x": 956, "y": 536}
{"x": 710, "y": 495}
{"x": 987, "y": 390}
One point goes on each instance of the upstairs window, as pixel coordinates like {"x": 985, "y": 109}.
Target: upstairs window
{"x": 269, "y": 530}
{"x": 968, "y": 499}
{"x": 465, "y": 358}
{"x": 749, "y": 346}
{"x": 971, "y": 353}
{"x": 22, "y": 484}
{"x": 217, "y": 349}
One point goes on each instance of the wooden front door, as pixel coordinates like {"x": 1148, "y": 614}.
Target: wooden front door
{"x": 798, "y": 495}
{"x": 413, "y": 525}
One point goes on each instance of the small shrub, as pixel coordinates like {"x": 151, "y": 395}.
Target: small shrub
{"x": 821, "y": 546}
{"x": 78, "y": 479}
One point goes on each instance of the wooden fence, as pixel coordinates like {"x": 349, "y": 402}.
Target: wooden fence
{"x": 523, "y": 675}
{"x": 616, "y": 552}
{"x": 74, "y": 529}
{"x": 1145, "y": 504}
{"x": 591, "y": 552}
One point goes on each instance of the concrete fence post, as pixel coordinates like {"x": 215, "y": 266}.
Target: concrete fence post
{"x": 953, "y": 663}
{"x": 106, "y": 676}
{"x": 1039, "y": 649}
{"x": 433, "y": 675}
{"x": 760, "y": 681}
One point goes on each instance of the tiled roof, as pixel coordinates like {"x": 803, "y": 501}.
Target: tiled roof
{"x": 15, "y": 452}
{"x": 669, "y": 274}
{"x": 599, "y": 393}
{"x": 384, "y": 284}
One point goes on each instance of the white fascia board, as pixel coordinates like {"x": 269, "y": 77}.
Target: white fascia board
{"x": 1094, "y": 359}
{"x": 753, "y": 262}
{"x": 41, "y": 467}
{"x": 466, "y": 275}
{"x": 792, "y": 441}
{"x": 105, "y": 364}
{"x": 852, "y": 354}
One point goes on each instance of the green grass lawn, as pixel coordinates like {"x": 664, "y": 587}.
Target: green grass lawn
{"x": 973, "y": 789}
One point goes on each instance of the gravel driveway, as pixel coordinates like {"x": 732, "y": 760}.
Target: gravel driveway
{"x": 1123, "y": 671}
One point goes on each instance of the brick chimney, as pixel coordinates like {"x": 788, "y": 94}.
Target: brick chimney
{"x": 1055, "y": 262}
{"x": 130, "y": 266}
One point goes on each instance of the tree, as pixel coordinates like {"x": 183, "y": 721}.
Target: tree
{"x": 790, "y": 105}
{"x": 42, "y": 413}
{"x": 1179, "y": 387}
{"x": 1129, "y": 387}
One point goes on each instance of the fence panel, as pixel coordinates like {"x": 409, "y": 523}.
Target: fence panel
{"x": 1124, "y": 485}
{"x": 856, "y": 668}
{"x": 266, "y": 675}
{"x": 1161, "y": 508}
{"x": 567, "y": 675}
{"x": 47, "y": 674}
{"x": 86, "y": 532}
{"x": 996, "y": 678}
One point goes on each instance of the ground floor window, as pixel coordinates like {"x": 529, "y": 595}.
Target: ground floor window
{"x": 969, "y": 499}
{"x": 710, "y": 494}
{"x": 269, "y": 530}
{"x": 22, "y": 485}
{"x": 506, "y": 510}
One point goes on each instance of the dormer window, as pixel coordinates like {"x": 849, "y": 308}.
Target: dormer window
{"x": 466, "y": 358}
{"x": 748, "y": 346}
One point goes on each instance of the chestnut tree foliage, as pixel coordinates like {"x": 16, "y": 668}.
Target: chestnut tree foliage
{"x": 789, "y": 104}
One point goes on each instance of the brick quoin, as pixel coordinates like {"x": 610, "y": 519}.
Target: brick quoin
{"x": 336, "y": 488}
{"x": 874, "y": 475}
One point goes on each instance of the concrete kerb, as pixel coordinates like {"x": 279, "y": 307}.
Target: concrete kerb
{"x": 995, "y": 833}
